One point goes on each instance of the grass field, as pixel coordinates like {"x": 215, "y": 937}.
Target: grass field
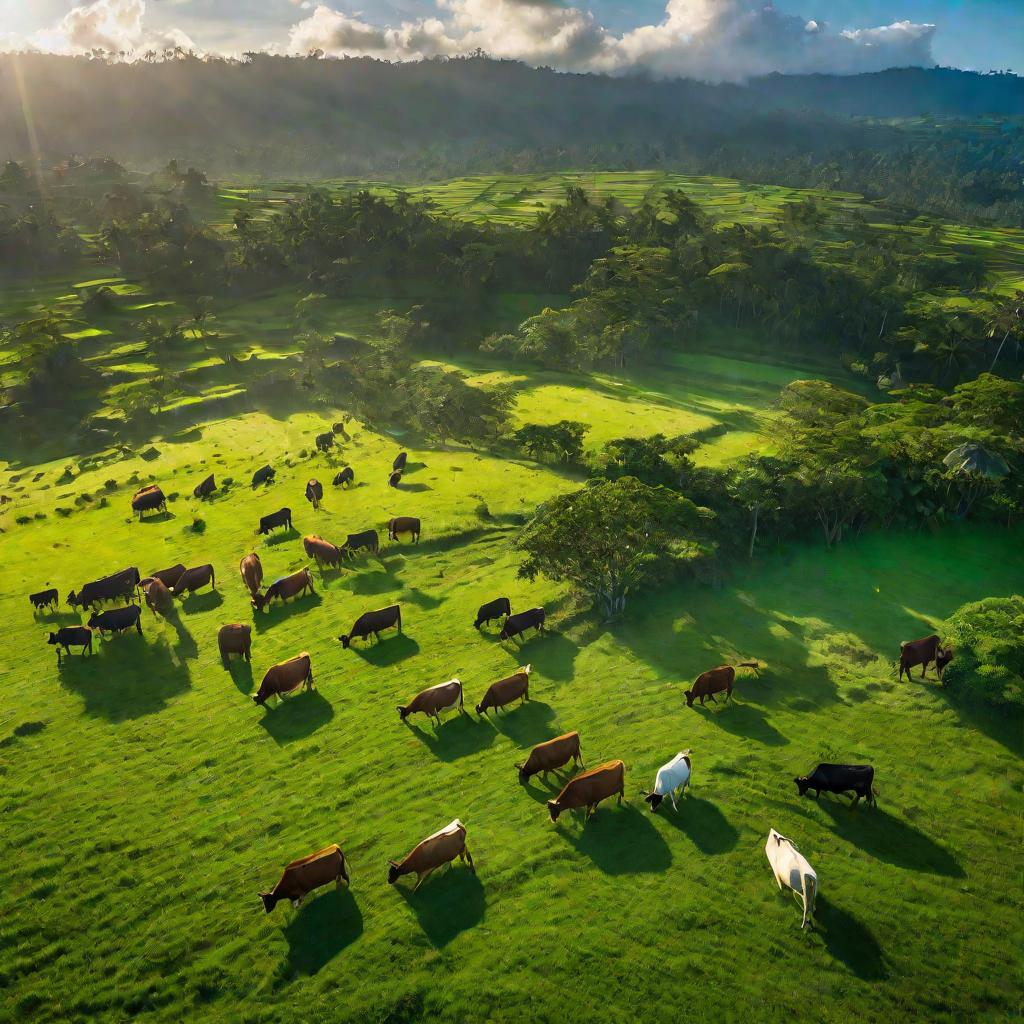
{"x": 146, "y": 800}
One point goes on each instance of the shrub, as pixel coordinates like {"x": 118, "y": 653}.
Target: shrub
{"x": 22, "y": 520}
{"x": 110, "y": 485}
{"x": 62, "y": 511}
{"x": 988, "y": 651}
{"x": 198, "y": 525}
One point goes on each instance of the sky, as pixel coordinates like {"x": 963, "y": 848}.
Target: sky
{"x": 718, "y": 40}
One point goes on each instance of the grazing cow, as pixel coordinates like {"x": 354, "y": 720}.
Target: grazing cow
{"x": 323, "y": 552}
{"x": 400, "y": 460}
{"x": 250, "y": 568}
{"x": 117, "y": 620}
{"x": 440, "y": 848}
{"x": 301, "y": 877}
{"x": 504, "y": 691}
{"x": 715, "y": 680}
{"x": 287, "y": 677}
{"x": 355, "y": 541}
{"x": 552, "y": 755}
{"x": 435, "y": 699}
{"x": 922, "y": 652}
{"x": 671, "y": 777}
{"x": 493, "y": 610}
{"x": 71, "y": 636}
{"x": 193, "y": 579}
{"x": 158, "y": 597}
{"x": 344, "y": 478}
{"x": 325, "y": 441}
{"x": 45, "y": 599}
{"x": 395, "y": 479}
{"x": 206, "y": 488}
{"x": 234, "y": 639}
{"x": 589, "y": 788}
{"x": 521, "y": 622}
{"x": 285, "y": 588}
{"x": 282, "y": 517}
{"x": 404, "y": 524}
{"x": 791, "y": 870}
{"x": 339, "y": 428}
{"x": 149, "y": 499}
{"x": 373, "y": 622}
{"x": 314, "y": 493}
{"x": 109, "y": 588}
{"x": 263, "y": 475}
{"x": 840, "y": 778}
{"x": 168, "y": 577}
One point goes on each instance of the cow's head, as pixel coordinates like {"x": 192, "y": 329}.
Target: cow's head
{"x": 689, "y": 695}
{"x": 654, "y": 800}
{"x": 403, "y": 713}
{"x": 554, "y": 809}
{"x": 394, "y": 872}
{"x": 94, "y": 619}
{"x": 269, "y": 901}
{"x": 54, "y": 639}
{"x": 504, "y": 634}
{"x": 345, "y": 640}
{"x": 259, "y": 700}
{"x": 802, "y": 782}
{"x": 524, "y": 775}
{"x": 943, "y": 657}
{"x": 481, "y": 710}
{"x": 72, "y": 598}
{"x": 258, "y": 601}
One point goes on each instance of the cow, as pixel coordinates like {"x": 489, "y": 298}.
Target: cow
{"x": 355, "y": 541}
{"x": 344, "y": 478}
{"x": 263, "y": 475}
{"x": 400, "y": 460}
{"x": 205, "y": 488}
{"x": 234, "y": 639}
{"x": 373, "y": 622}
{"x": 119, "y": 584}
{"x": 314, "y": 493}
{"x": 286, "y": 677}
{"x": 168, "y": 577}
{"x": 301, "y": 877}
{"x": 395, "y": 479}
{"x": 493, "y": 610}
{"x": 435, "y": 699}
{"x": 45, "y": 599}
{"x": 284, "y": 588}
{"x": 339, "y": 428}
{"x": 282, "y": 517}
{"x": 922, "y": 652}
{"x": 519, "y": 623}
{"x": 671, "y": 777}
{"x": 194, "y": 578}
{"x": 504, "y": 691}
{"x": 404, "y": 524}
{"x": 440, "y": 848}
{"x": 325, "y": 441}
{"x": 323, "y": 552}
{"x": 158, "y": 597}
{"x": 589, "y": 788}
{"x": 791, "y": 870}
{"x": 149, "y": 499}
{"x": 715, "y": 680}
{"x": 71, "y": 636}
{"x": 840, "y": 778}
{"x": 117, "y": 620}
{"x": 552, "y": 755}
{"x": 250, "y": 568}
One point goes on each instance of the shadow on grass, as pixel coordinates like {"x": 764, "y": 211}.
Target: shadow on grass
{"x": 525, "y": 724}
{"x": 387, "y": 651}
{"x": 202, "y": 602}
{"x": 321, "y": 929}
{"x": 555, "y": 651}
{"x": 619, "y": 840}
{"x": 849, "y": 941}
{"x": 414, "y": 488}
{"x": 241, "y": 673}
{"x": 371, "y": 583}
{"x": 280, "y": 537}
{"x": 58, "y": 619}
{"x": 742, "y": 720}
{"x": 457, "y": 736}
{"x": 706, "y": 826}
{"x": 184, "y": 646}
{"x": 160, "y": 517}
{"x": 278, "y": 611}
{"x": 295, "y": 718}
{"x": 425, "y": 601}
{"x": 448, "y": 902}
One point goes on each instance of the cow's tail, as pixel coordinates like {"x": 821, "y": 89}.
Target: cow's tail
{"x": 810, "y": 893}
{"x": 213, "y": 578}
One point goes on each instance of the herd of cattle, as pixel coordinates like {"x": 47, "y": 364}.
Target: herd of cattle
{"x": 585, "y": 790}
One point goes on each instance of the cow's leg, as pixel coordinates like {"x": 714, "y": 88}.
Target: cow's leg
{"x": 672, "y": 797}
{"x": 421, "y": 878}
{"x": 924, "y": 669}
{"x": 712, "y": 696}
{"x": 469, "y": 860}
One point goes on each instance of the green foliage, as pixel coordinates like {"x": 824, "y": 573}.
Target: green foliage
{"x": 440, "y": 404}
{"x": 562, "y": 441}
{"x": 988, "y": 651}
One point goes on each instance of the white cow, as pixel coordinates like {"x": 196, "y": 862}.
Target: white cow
{"x": 671, "y": 777}
{"x": 791, "y": 869}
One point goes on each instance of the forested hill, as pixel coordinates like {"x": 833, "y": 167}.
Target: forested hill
{"x": 298, "y": 117}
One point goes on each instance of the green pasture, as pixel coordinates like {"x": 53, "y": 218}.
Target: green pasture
{"x": 146, "y": 800}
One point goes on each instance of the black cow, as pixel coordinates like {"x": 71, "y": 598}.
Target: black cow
{"x": 493, "y": 610}
{"x": 120, "y": 584}
{"x": 206, "y": 488}
{"x": 325, "y": 441}
{"x": 71, "y": 636}
{"x": 344, "y": 478}
{"x": 355, "y": 541}
{"x": 395, "y": 479}
{"x": 373, "y": 622}
{"x": 263, "y": 475}
{"x": 314, "y": 493}
{"x": 117, "y": 620}
{"x": 149, "y": 499}
{"x": 840, "y": 778}
{"x": 521, "y": 622}
{"x": 282, "y": 517}
{"x": 44, "y": 598}
{"x": 400, "y": 460}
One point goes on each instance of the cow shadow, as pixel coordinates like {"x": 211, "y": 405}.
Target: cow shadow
{"x": 280, "y": 537}
{"x": 555, "y": 651}
{"x": 372, "y": 583}
{"x": 281, "y": 610}
{"x": 620, "y": 841}
{"x": 205, "y": 602}
{"x": 448, "y": 903}
{"x": 525, "y": 724}
{"x": 295, "y": 718}
{"x": 58, "y": 619}
{"x": 388, "y": 651}
{"x": 887, "y": 838}
{"x": 414, "y": 488}
{"x": 457, "y": 736}
{"x": 425, "y": 601}
{"x": 321, "y": 929}
{"x": 703, "y": 823}
{"x": 241, "y": 673}
{"x": 742, "y": 720}
{"x": 184, "y": 646}
{"x": 160, "y": 517}
{"x": 850, "y": 941}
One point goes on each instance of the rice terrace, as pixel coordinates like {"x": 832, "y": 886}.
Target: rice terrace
{"x": 505, "y": 578}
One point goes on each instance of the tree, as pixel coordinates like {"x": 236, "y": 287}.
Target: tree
{"x": 611, "y": 537}
{"x": 562, "y": 440}
{"x": 755, "y": 485}
{"x": 976, "y": 470}
{"x": 988, "y": 651}
{"x": 439, "y": 403}
{"x": 1006, "y": 318}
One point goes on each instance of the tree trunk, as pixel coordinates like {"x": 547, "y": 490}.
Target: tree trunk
{"x": 753, "y": 532}
{"x": 999, "y": 350}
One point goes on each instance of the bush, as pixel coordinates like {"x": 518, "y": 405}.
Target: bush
{"x": 62, "y": 511}
{"x": 988, "y": 651}
{"x": 110, "y": 485}
{"x": 198, "y": 525}
{"x": 23, "y": 520}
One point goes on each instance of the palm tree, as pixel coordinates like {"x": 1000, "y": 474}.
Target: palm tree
{"x": 976, "y": 469}
{"x": 1007, "y": 317}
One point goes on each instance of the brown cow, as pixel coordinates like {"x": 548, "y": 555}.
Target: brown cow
{"x": 158, "y": 597}
{"x": 314, "y": 493}
{"x": 715, "y": 680}
{"x": 922, "y": 652}
{"x": 440, "y": 848}
{"x": 287, "y": 677}
{"x": 301, "y": 877}
{"x": 589, "y": 788}
{"x": 194, "y": 578}
{"x": 234, "y": 639}
{"x": 284, "y": 588}
{"x": 404, "y": 524}
{"x": 149, "y": 498}
{"x": 504, "y": 691}
{"x": 168, "y": 577}
{"x": 435, "y": 699}
{"x": 250, "y": 568}
{"x": 323, "y": 552}
{"x": 552, "y": 755}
